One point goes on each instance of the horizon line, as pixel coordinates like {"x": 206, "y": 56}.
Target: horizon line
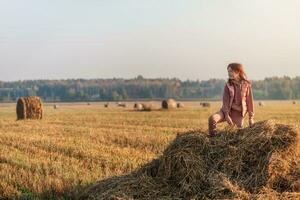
{"x": 142, "y": 77}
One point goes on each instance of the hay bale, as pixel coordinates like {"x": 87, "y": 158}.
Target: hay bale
{"x": 252, "y": 163}
{"x": 29, "y": 108}
{"x": 122, "y": 105}
{"x": 138, "y": 107}
{"x": 180, "y": 105}
{"x": 147, "y": 107}
{"x": 261, "y": 104}
{"x": 169, "y": 104}
{"x": 205, "y": 104}
{"x": 143, "y": 107}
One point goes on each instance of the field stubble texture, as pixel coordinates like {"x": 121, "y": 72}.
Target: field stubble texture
{"x": 77, "y": 145}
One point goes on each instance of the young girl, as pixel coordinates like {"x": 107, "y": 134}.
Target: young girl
{"x": 237, "y": 100}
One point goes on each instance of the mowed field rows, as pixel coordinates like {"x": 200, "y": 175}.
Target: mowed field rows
{"x": 78, "y": 144}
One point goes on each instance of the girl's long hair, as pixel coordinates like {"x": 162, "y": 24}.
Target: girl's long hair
{"x": 238, "y": 68}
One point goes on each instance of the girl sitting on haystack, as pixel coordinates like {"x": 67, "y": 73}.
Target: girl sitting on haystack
{"x": 237, "y": 100}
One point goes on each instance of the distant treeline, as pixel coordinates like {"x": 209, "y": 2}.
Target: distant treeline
{"x": 141, "y": 88}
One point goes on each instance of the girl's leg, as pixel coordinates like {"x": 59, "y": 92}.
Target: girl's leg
{"x": 237, "y": 118}
{"x": 213, "y": 120}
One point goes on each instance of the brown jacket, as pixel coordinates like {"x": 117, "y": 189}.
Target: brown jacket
{"x": 246, "y": 98}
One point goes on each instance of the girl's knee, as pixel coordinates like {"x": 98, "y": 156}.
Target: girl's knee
{"x": 211, "y": 119}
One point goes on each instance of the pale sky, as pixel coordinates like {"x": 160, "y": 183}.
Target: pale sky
{"x": 187, "y": 39}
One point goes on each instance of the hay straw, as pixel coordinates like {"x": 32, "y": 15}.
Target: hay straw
{"x": 252, "y": 163}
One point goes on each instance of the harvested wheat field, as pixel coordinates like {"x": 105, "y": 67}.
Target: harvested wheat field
{"x": 77, "y": 148}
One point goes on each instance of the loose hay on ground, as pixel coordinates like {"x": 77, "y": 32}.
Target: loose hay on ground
{"x": 252, "y": 163}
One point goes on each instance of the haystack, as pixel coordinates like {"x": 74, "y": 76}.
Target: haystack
{"x": 252, "y": 163}
{"x": 122, "y": 105}
{"x": 169, "y": 104}
{"x": 205, "y": 104}
{"x": 147, "y": 107}
{"x": 138, "y": 107}
{"x": 180, "y": 105}
{"x": 143, "y": 107}
{"x": 29, "y": 108}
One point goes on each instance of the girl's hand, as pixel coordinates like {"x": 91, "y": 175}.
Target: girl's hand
{"x": 229, "y": 120}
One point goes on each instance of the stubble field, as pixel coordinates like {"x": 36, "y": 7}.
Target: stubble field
{"x": 78, "y": 144}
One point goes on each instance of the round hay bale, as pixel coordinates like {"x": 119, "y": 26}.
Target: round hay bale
{"x": 169, "y": 104}
{"x": 29, "y": 108}
{"x": 205, "y": 104}
{"x": 261, "y": 104}
{"x": 122, "y": 105}
{"x": 180, "y": 105}
{"x": 250, "y": 163}
{"x": 138, "y": 106}
{"x": 147, "y": 106}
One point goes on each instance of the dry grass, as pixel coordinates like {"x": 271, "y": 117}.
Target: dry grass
{"x": 77, "y": 145}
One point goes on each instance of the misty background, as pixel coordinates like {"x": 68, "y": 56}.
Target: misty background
{"x": 191, "y": 39}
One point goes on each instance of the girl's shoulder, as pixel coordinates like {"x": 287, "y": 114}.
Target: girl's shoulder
{"x": 243, "y": 82}
{"x": 247, "y": 83}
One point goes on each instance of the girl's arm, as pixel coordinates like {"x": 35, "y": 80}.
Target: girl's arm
{"x": 226, "y": 99}
{"x": 250, "y": 105}
{"x": 225, "y": 107}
